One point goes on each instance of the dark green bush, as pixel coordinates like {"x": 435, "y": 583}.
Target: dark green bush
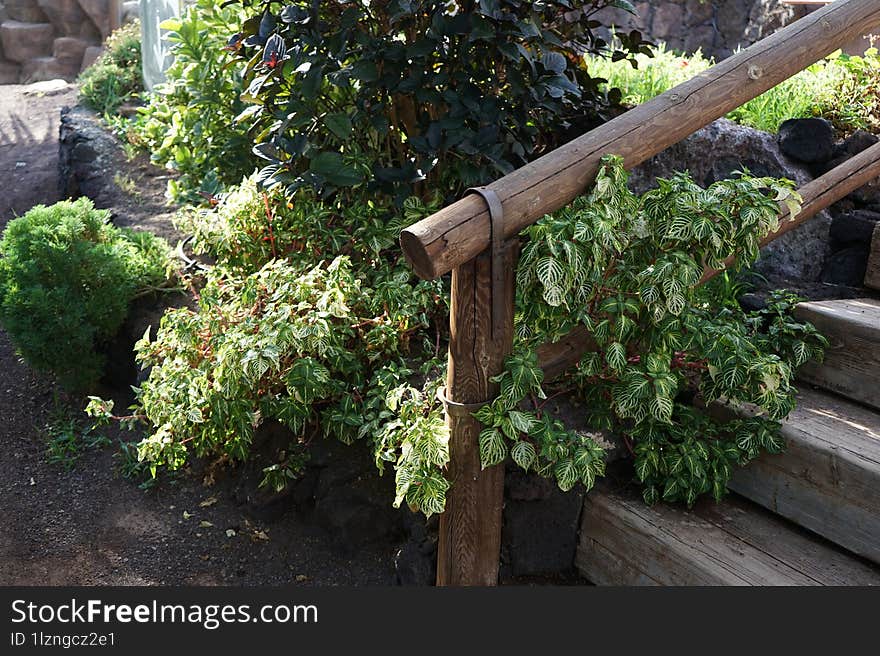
{"x": 67, "y": 277}
{"x": 115, "y": 77}
{"x": 418, "y": 95}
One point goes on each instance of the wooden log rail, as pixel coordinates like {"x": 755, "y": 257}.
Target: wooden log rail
{"x": 454, "y": 238}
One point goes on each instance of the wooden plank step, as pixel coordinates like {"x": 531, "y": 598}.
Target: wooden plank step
{"x": 735, "y": 542}
{"x": 852, "y": 360}
{"x": 828, "y": 479}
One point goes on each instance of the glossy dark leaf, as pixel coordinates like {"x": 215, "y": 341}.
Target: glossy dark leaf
{"x": 267, "y": 26}
{"x": 275, "y": 52}
{"x": 295, "y": 14}
{"x": 339, "y": 124}
{"x": 555, "y": 62}
{"x": 333, "y": 169}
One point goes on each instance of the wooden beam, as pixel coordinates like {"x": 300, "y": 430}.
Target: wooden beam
{"x": 469, "y": 546}
{"x": 872, "y": 274}
{"x": 459, "y": 232}
{"x": 556, "y": 357}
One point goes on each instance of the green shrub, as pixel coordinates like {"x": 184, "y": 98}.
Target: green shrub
{"x": 841, "y": 88}
{"x": 626, "y": 270}
{"x": 67, "y": 277}
{"x": 188, "y": 124}
{"x": 115, "y": 77}
{"x": 316, "y": 328}
{"x": 311, "y": 318}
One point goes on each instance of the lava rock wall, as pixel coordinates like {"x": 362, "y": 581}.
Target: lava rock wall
{"x": 717, "y": 27}
{"x": 49, "y": 39}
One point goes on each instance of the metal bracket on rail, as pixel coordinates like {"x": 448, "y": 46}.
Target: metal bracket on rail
{"x": 496, "y": 239}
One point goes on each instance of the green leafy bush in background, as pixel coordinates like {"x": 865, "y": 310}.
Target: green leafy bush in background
{"x": 842, "y": 88}
{"x": 115, "y": 77}
{"x": 188, "y": 123}
{"x": 369, "y": 115}
{"x": 399, "y": 97}
{"x": 310, "y": 318}
{"x": 67, "y": 277}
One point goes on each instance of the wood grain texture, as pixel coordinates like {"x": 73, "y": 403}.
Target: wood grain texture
{"x": 828, "y": 478}
{"x": 469, "y": 545}
{"x": 852, "y": 361}
{"x": 624, "y": 542}
{"x": 872, "y": 274}
{"x": 459, "y": 232}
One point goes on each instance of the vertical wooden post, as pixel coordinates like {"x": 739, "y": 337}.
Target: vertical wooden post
{"x": 469, "y": 546}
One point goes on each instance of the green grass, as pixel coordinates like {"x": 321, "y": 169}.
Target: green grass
{"x": 68, "y": 439}
{"x": 841, "y": 88}
{"x": 115, "y": 77}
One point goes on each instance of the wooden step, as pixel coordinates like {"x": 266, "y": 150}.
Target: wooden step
{"x": 735, "y": 542}
{"x": 852, "y": 360}
{"x": 828, "y": 479}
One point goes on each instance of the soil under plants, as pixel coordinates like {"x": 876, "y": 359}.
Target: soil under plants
{"x": 78, "y": 521}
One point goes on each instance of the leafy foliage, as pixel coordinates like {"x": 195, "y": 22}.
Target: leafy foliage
{"x": 310, "y": 318}
{"x": 188, "y": 123}
{"x": 326, "y": 346}
{"x": 320, "y": 345}
{"x": 626, "y": 269}
{"x": 533, "y": 439}
{"x": 67, "y": 277}
{"x": 68, "y": 440}
{"x": 439, "y": 95}
{"x": 842, "y": 88}
{"x": 115, "y": 77}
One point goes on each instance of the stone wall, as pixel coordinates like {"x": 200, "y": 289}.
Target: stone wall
{"x": 48, "y": 39}
{"x": 718, "y": 27}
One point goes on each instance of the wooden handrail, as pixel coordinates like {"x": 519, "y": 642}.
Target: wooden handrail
{"x": 459, "y": 232}
{"x": 481, "y": 309}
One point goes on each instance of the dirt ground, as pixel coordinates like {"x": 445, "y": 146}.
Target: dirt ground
{"x": 88, "y": 525}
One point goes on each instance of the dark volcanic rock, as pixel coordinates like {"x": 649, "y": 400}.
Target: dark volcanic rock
{"x": 809, "y": 140}
{"x": 726, "y": 167}
{"x": 355, "y": 516}
{"x": 823, "y": 167}
{"x": 853, "y": 228}
{"x": 868, "y": 195}
{"x": 857, "y": 142}
{"x": 415, "y": 563}
{"x": 847, "y": 266}
{"x": 84, "y": 153}
{"x": 352, "y": 501}
{"x": 540, "y": 536}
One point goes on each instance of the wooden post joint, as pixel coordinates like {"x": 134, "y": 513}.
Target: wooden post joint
{"x": 496, "y": 245}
